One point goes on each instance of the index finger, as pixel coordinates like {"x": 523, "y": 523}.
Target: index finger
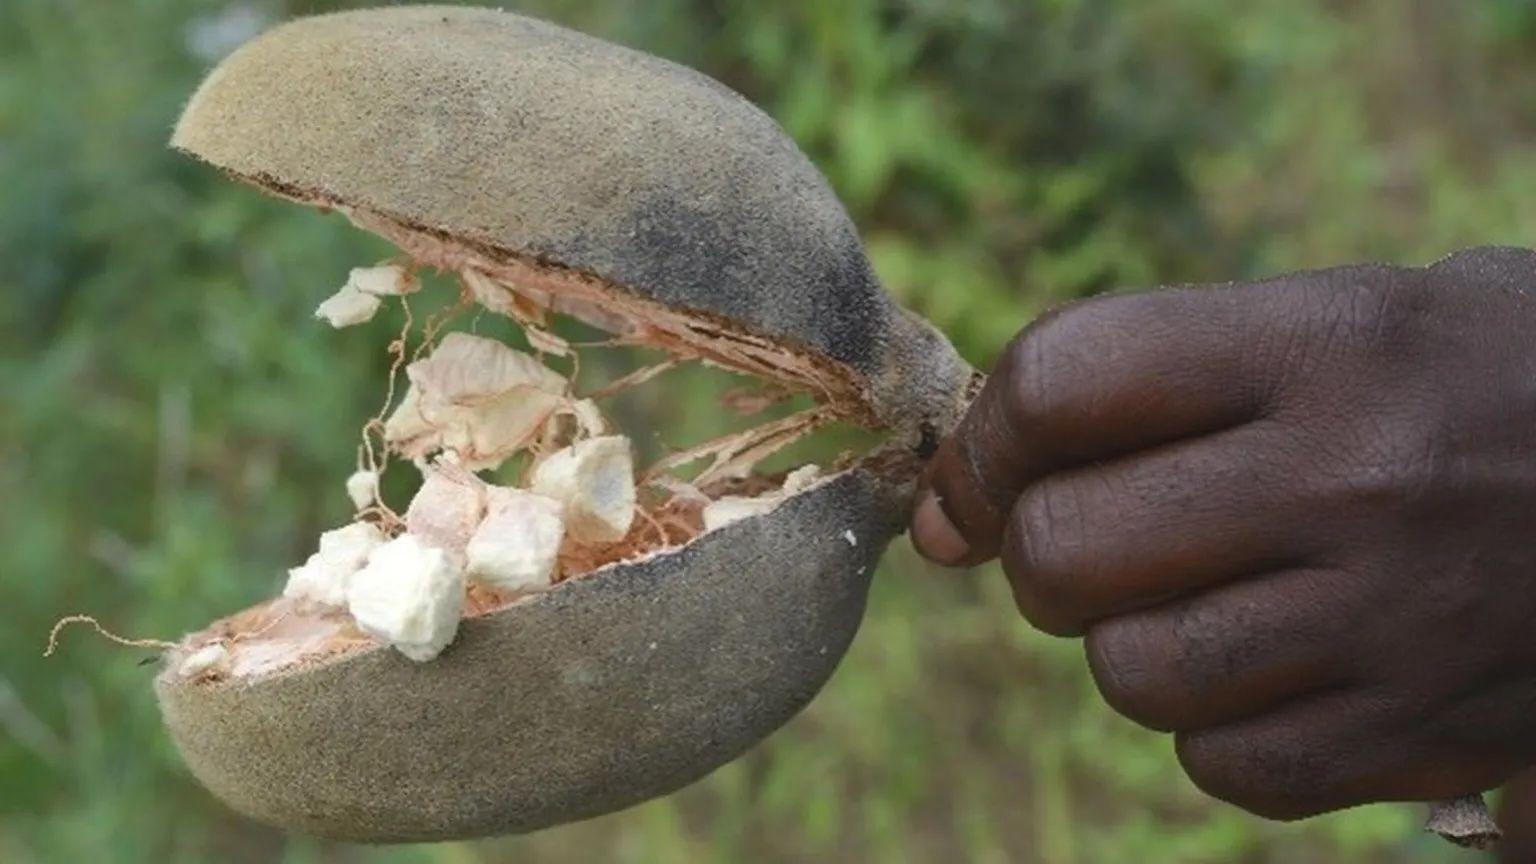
{"x": 1088, "y": 382}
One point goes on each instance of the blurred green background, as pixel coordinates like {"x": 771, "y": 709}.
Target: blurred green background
{"x": 174, "y": 428}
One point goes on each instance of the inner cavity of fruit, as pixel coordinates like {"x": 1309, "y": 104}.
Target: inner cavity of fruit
{"x": 521, "y": 479}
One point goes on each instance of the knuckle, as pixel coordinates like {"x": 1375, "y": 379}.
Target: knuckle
{"x": 1386, "y": 461}
{"x": 1044, "y": 534}
{"x": 1378, "y": 312}
{"x": 1130, "y": 671}
{"x": 1357, "y": 304}
{"x": 1042, "y": 361}
{"x": 1264, "y": 775}
{"x": 1028, "y": 382}
{"x": 1396, "y": 309}
{"x": 1347, "y": 317}
{"x": 1216, "y": 642}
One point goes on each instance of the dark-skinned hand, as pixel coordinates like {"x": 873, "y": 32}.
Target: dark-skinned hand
{"x": 1294, "y": 519}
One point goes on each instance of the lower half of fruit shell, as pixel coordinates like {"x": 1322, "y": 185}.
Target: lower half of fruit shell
{"x": 614, "y": 688}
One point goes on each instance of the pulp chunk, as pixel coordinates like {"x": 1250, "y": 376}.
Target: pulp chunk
{"x": 488, "y": 294}
{"x": 515, "y": 548}
{"x": 500, "y": 299}
{"x": 323, "y": 578}
{"x": 386, "y": 280}
{"x": 734, "y": 508}
{"x": 213, "y": 657}
{"x": 588, "y": 417}
{"x": 410, "y": 595}
{"x": 595, "y": 481}
{"x": 446, "y": 509}
{"x": 476, "y": 397}
{"x": 348, "y": 307}
{"x": 363, "y": 489}
{"x": 801, "y": 479}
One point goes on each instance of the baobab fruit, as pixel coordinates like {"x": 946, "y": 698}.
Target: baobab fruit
{"x": 574, "y": 179}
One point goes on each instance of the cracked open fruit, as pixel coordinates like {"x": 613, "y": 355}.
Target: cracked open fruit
{"x": 512, "y": 654}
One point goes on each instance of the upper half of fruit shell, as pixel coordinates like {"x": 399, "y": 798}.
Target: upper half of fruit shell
{"x": 559, "y": 148}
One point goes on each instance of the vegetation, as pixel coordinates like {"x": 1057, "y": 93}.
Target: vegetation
{"x": 174, "y": 429}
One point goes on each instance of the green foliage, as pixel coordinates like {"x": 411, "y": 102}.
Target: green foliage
{"x": 174, "y": 428}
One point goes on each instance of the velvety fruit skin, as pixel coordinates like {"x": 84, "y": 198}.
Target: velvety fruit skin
{"x": 554, "y": 145}
{"x": 605, "y": 692}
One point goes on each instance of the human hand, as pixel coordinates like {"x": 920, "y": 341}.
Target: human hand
{"x": 1294, "y": 519}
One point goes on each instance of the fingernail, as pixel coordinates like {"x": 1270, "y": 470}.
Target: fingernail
{"x": 936, "y": 537}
